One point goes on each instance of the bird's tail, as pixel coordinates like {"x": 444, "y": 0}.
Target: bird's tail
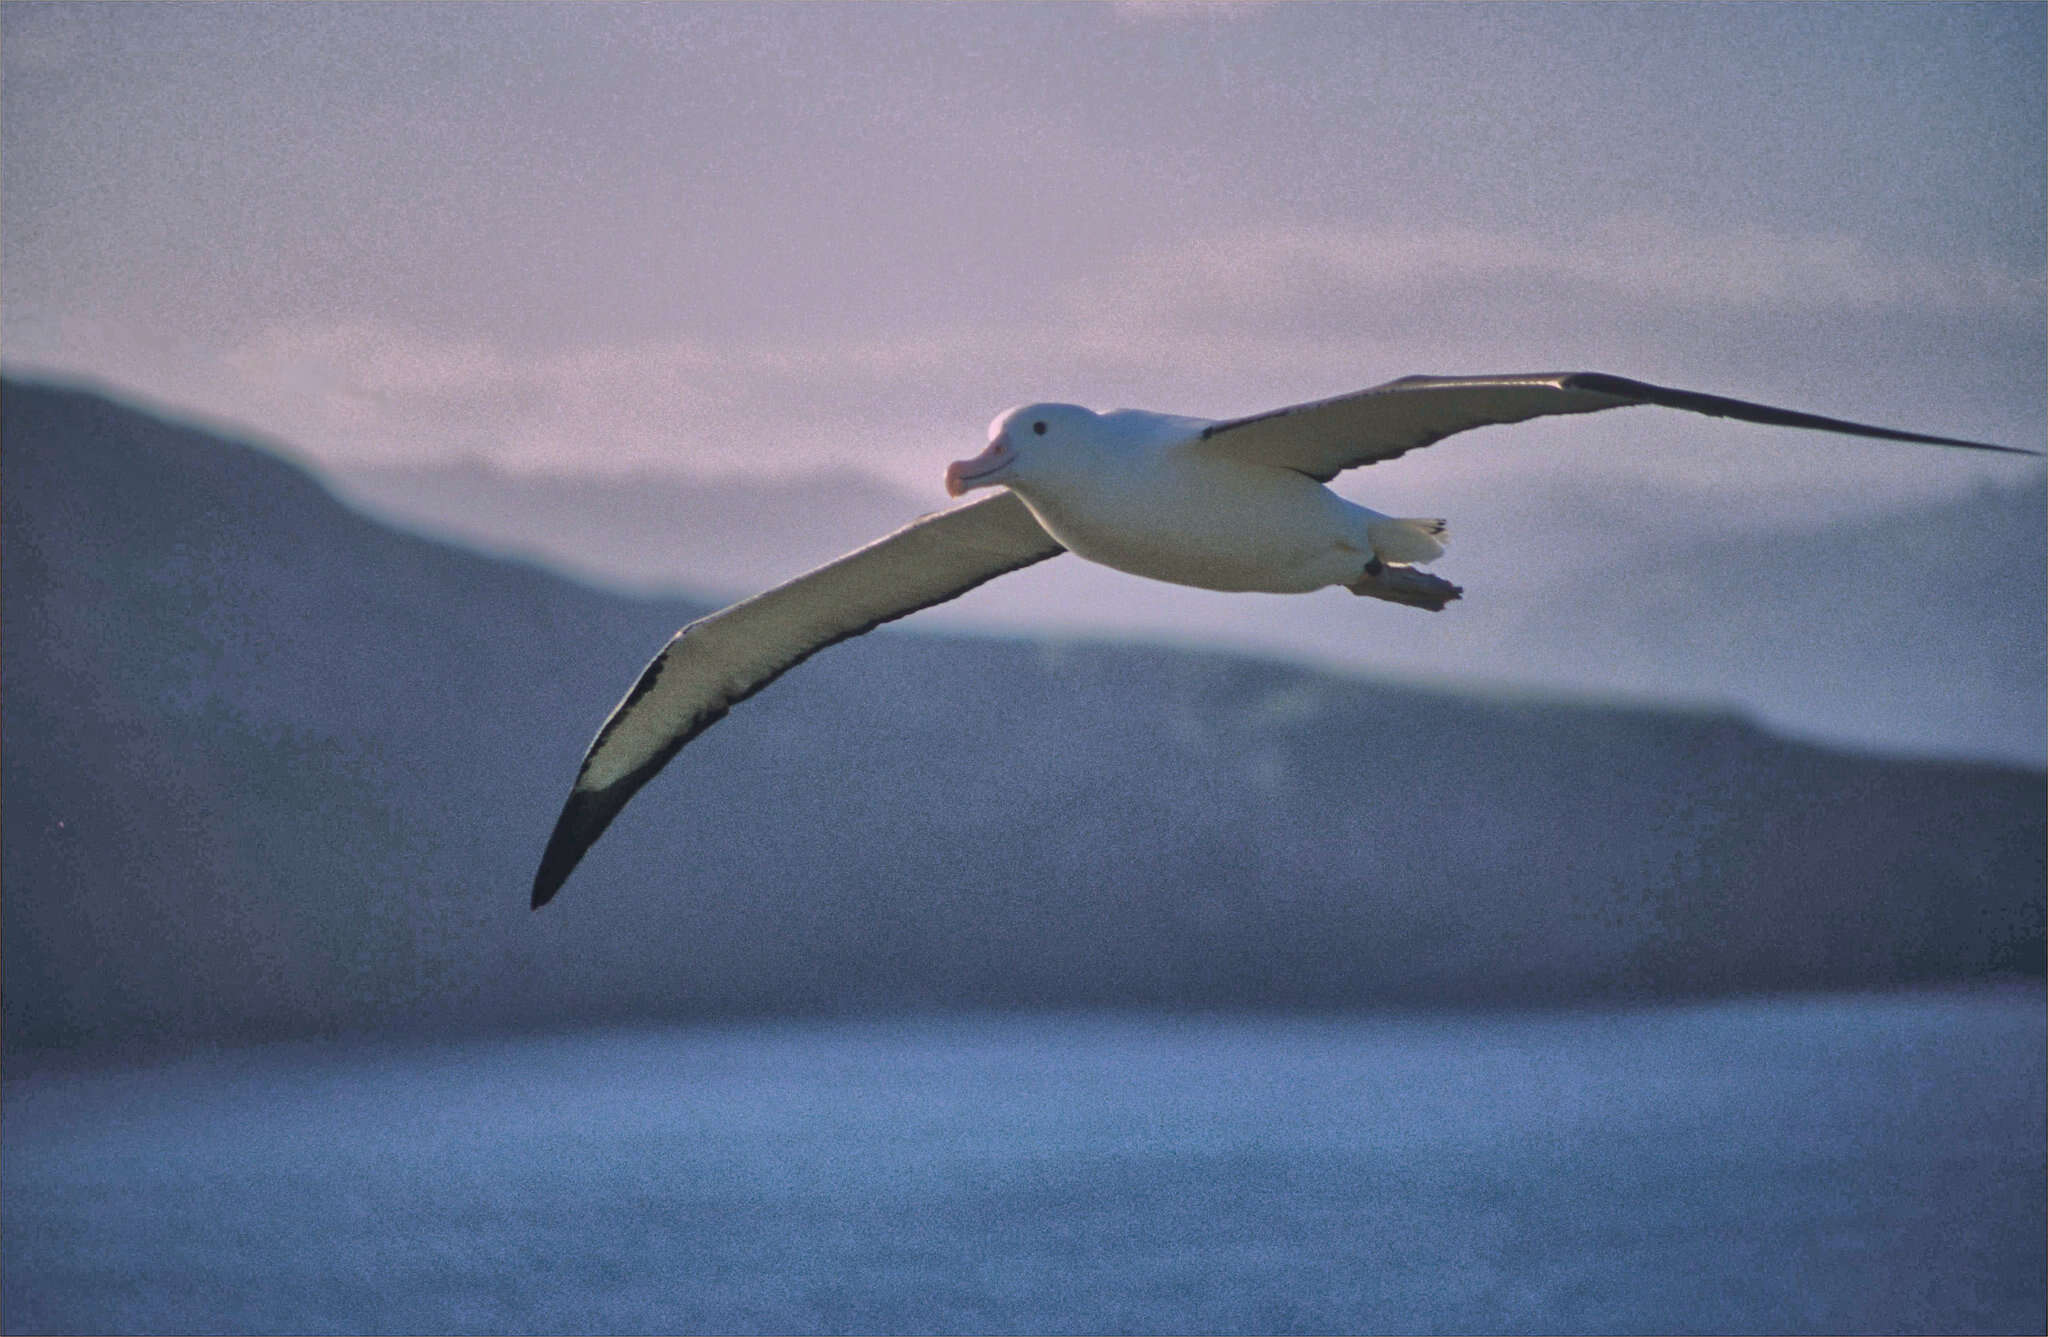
{"x": 1409, "y": 541}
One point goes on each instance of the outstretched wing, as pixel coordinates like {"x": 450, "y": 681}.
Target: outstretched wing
{"x": 1326, "y": 437}
{"x": 718, "y": 661}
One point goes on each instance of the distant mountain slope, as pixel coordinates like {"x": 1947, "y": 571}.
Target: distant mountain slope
{"x": 1922, "y": 630}
{"x": 269, "y": 767}
{"x": 1927, "y": 626}
{"x": 645, "y": 532}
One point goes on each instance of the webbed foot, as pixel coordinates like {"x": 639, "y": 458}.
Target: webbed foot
{"x": 1405, "y": 585}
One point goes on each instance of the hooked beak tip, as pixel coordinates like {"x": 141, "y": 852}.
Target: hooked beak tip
{"x": 963, "y": 476}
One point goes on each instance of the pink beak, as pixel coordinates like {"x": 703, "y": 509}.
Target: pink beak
{"x": 962, "y": 475}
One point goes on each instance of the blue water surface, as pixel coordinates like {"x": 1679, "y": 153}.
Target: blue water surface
{"x": 1859, "y": 1164}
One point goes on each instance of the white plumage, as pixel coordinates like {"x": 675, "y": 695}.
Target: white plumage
{"x": 1236, "y": 505}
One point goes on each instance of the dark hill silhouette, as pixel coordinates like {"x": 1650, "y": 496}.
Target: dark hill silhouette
{"x": 273, "y": 768}
{"x": 1920, "y": 629}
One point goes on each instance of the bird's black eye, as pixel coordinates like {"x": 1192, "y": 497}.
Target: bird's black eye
{"x": 1039, "y": 428}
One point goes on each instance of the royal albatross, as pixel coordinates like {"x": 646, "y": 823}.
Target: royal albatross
{"x": 1236, "y": 505}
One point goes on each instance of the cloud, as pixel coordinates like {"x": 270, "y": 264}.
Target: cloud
{"x": 1292, "y": 271}
{"x": 365, "y": 391}
{"x": 365, "y": 360}
{"x": 1220, "y": 323}
{"x": 1187, "y": 11}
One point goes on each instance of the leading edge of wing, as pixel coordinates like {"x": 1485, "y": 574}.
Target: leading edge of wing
{"x": 720, "y": 660}
{"x": 1540, "y": 379}
{"x": 1720, "y": 406}
{"x": 1324, "y": 437}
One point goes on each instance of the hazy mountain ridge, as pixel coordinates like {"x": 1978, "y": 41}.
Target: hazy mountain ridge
{"x": 271, "y": 767}
{"x": 644, "y": 531}
{"x": 1919, "y": 629}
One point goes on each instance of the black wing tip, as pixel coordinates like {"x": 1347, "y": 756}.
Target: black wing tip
{"x": 1720, "y": 406}
{"x": 584, "y": 818}
{"x": 589, "y": 811}
{"x": 547, "y": 882}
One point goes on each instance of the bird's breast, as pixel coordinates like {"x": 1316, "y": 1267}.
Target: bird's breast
{"x": 1236, "y": 528}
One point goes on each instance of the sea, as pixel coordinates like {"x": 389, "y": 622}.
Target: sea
{"x": 1847, "y": 1163}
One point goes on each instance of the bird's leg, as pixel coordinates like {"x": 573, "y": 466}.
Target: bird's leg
{"x": 1404, "y": 585}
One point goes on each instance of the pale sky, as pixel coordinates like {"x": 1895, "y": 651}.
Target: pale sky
{"x": 776, "y": 238}
{"x": 793, "y": 239}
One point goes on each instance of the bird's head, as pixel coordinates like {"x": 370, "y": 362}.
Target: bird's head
{"x": 1023, "y": 443}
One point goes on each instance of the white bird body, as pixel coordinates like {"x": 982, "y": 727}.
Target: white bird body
{"x": 1134, "y": 493}
{"x": 1237, "y": 505}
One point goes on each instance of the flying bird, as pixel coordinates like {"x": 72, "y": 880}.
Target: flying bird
{"x": 1233, "y": 505}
